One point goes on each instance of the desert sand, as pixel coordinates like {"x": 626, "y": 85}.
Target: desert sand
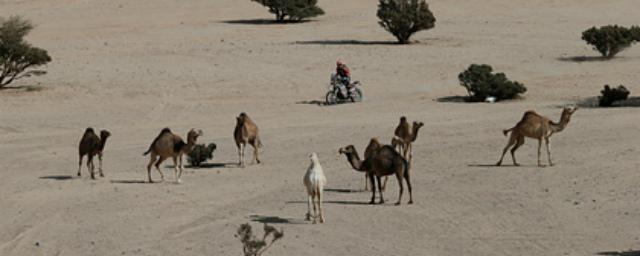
{"x": 134, "y": 67}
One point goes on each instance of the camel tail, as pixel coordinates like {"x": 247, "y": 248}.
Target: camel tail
{"x": 506, "y": 132}
{"x": 148, "y": 150}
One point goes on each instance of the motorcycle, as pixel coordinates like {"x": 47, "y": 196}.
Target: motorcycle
{"x": 338, "y": 92}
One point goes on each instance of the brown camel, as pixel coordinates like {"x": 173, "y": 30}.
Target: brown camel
{"x": 374, "y": 144}
{"x": 246, "y": 132}
{"x": 404, "y": 144}
{"x": 168, "y": 144}
{"x": 92, "y": 145}
{"x": 538, "y": 127}
{"x": 385, "y": 161}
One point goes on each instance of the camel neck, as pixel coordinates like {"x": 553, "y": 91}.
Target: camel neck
{"x": 103, "y": 141}
{"x": 355, "y": 161}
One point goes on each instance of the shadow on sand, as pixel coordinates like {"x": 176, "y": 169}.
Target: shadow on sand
{"x": 582, "y": 58}
{"x": 276, "y": 220}
{"x": 332, "y": 202}
{"x": 263, "y": 22}
{"x": 454, "y": 99}
{"x": 312, "y": 102}
{"x": 624, "y": 253}
{"x": 130, "y": 181}
{"x": 343, "y": 190}
{"x": 593, "y": 102}
{"x": 346, "y": 42}
{"x": 56, "y": 177}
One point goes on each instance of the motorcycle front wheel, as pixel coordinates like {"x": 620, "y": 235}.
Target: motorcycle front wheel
{"x": 357, "y": 96}
{"x": 331, "y": 98}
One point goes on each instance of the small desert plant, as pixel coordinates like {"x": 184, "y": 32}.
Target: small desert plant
{"x": 294, "y": 10}
{"x": 403, "y": 18}
{"x": 201, "y": 153}
{"x": 252, "y": 246}
{"x": 609, "y": 96}
{"x": 612, "y": 39}
{"x": 481, "y": 83}
{"x": 16, "y": 55}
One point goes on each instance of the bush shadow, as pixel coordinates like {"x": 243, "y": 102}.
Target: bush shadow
{"x": 593, "y": 102}
{"x": 346, "y": 42}
{"x": 622, "y": 253}
{"x": 264, "y": 22}
{"x": 454, "y": 99}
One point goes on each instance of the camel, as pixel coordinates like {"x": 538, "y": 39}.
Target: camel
{"x": 374, "y": 145}
{"x": 246, "y": 132}
{"x": 92, "y": 145}
{"x": 538, "y": 127}
{"x": 315, "y": 181}
{"x": 385, "y": 161}
{"x": 168, "y": 144}
{"x": 404, "y": 143}
{"x": 403, "y": 130}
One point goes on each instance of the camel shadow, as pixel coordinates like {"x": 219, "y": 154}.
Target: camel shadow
{"x": 312, "y": 102}
{"x": 56, "y": 177}
{"x": 504, "y": 165}
{"x": 212, "y": 165}
{"x": 624, "y": 253}
{"x": 130, "y": 181}
{"x": 263, "y": 22}
{"x": 583, "y": 59}
{"x": 343, "y": 190}
{"x": 275, "y": 220}
{"x": 332, "y": 202}
{"x": 346, "y": 42}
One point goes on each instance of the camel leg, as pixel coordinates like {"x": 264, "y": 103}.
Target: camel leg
{"x": 181, "y": 167}
{"x": 319, "y": 193}
{"x": 152, "y": 159}
{"x": 241, "y": 152}
{"x": 315, "y": 213}
{"x": 90, "y": 166}
{"x": 512, "y": 140}
{"x": 546, "y": 142}
{"x": 80, "y": 165}
{"x": 366, "y": 182}
{"x": 399, "y": 176}
{"x": 407, "y": 178}
{"x": 373, "y": 188}
{"x": 160, "y": 160}
{"x": 308, "y": 217}
{"x": 380, "y": 189}
{"x": 519, "y": 143}
{"x": 100, "y": 164}
{"x": 175, "y": 168}
{"x": 256, "y": 159}
{"x": 539, "y": 151}
{"x": 384, "y": 184}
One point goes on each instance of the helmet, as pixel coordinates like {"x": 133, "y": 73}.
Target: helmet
{"x": 339, "y": 63}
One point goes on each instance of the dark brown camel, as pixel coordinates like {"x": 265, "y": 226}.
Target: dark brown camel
{"x": 92, "y": 145}
{"x": 384, "y": 162}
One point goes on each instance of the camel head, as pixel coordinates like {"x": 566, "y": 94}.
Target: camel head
{"x": 347, "y": 150}
{"x": 403, "y": 119}
{"x": 417, "y": 125}
{"x": 104, "y": 134}
{"x": 314, "y": 157}
{"x": 193, "y": 135}
{"x": 566, "y": 114}
{"x": 241, "y": 118}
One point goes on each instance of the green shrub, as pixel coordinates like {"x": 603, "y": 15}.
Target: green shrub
{"x": 16, "y": 55}
{"x": 609, "y": 96}
{"x": 610, "y": 40}
{"x": 294, "y": 10}
{"x": 403, "y": 18}
{"x": 481, "y": 83}
{"x": 201, "y": 153}
{"x": 251, "y": 245}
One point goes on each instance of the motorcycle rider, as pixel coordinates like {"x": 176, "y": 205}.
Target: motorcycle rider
{"x": 344, "y": 75}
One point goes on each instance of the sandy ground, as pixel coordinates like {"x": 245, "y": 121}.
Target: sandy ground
{"x": 134, "y": 67}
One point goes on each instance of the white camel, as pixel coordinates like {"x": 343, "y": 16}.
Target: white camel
{"x": 314, "y": 180}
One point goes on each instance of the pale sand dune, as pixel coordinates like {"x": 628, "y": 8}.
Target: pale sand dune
{"x": 134, "y": 67}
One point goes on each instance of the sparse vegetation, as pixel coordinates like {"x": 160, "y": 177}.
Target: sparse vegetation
{"x": 17, "y": 57}
{"x": 609, "y": 96}
{"x": 612, "y": 39}
{"x": 403, "y": 18}
{"x": 481, "y": 83}
{"x": 251, "y": 245}
{"x": 293, "y": 10}
{"x": 201, "y": 153}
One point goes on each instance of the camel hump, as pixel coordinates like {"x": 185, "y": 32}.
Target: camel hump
{"x": 89, "y": 129}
